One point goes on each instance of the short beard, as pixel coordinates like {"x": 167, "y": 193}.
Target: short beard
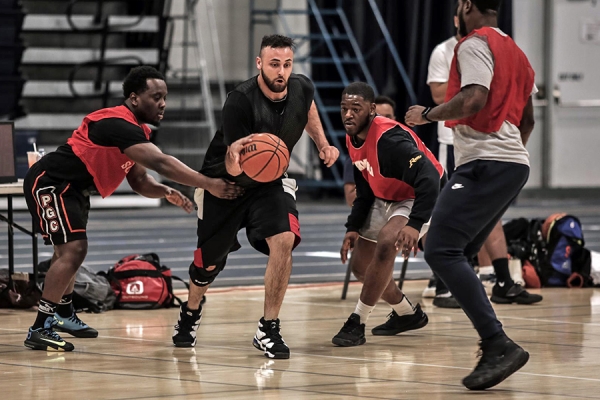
{"x": 462, "y": 26}
{"x": 273, "y": 87}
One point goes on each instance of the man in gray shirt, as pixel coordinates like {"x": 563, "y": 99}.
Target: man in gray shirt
{"x": 488, "y": 104}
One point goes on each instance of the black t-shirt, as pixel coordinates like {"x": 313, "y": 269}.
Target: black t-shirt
{"x": 247, "y": 110}
{"x": 63, "y": 164}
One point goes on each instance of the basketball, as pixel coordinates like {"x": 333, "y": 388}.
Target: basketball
{"x": 266, "y": 158}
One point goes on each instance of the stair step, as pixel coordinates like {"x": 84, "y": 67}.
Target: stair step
{"x": 109, "y": 7}
{"x": 45, "y": 121}
{"x": 176, "y": 151}
{"x": 59, "y": 23}
{"x": 61, "y": 56}
{"x": 62, "y": 89}
{"x": 327, "y": 12}
{"x": 184, "y": 124}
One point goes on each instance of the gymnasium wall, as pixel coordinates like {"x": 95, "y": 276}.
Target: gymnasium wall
{"x": 574, "y": 135}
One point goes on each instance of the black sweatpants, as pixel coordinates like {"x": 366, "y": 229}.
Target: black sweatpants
{"x": 466, "y": 211}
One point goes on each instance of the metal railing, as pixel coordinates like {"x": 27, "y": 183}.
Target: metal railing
{"x": 100, "y": 25}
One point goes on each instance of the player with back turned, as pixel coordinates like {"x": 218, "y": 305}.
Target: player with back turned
{"x": 489, "y": 106}
{"x": 277, "y": 102}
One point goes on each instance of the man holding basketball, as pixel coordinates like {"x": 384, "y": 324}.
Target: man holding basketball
{"x": 277, "y": 102}
{"x": 397, "y": 183}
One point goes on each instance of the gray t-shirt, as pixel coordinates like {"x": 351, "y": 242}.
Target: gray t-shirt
{"x": 476, "y": 64}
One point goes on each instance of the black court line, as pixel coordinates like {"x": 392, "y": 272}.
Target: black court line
{"x": 13, "y": 351}
{"x": 121, "y": 374}
{"x": 292, "y": 388}
{"x": 172, "y": 396}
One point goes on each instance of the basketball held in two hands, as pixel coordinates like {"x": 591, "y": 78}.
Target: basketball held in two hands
{"x": 266, "y": 158}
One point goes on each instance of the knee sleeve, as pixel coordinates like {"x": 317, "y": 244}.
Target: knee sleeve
{"x": 201, "y": 277}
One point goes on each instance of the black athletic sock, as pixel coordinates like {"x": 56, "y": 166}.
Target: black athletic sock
{"x": 46, "y": 309}
{"x": 65, "y": 307}
{"x": 503, "y": 278}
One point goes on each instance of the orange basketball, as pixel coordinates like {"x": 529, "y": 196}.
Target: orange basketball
{"x": 266, "y": 158}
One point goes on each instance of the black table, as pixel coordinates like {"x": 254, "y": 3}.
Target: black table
{"x": 9, "y": 190}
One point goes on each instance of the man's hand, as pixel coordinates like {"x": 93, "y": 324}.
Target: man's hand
{"x": 348, "y": 244}
{"x": 232, "y": 158}
{"x": 329, "y": 154}
{"x": 414, "y": 116}
{"x": 407, "y": 241}
{"x": 176, "y": 197}
{"x": 224, "y": 189}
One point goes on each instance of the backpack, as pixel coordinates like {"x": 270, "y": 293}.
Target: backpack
{"x": 21, "y": 292}
{"x": 140, "y": 282}
{"x": 525, "y": 241}
{"x": 568, "y": 263}
{"x": 91, "y": 292}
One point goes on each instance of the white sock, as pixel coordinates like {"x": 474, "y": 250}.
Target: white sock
{"x": 487, "y": 270}
{"x": 404, "y": 307}
{"x": 363, "y": 311}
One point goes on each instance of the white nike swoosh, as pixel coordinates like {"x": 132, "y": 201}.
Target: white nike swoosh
{"x": 62, "y": 343}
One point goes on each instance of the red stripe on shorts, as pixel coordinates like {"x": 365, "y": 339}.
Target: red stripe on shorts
{"x": 198, "y": 258}
{"x": 39, "y": 206}
{"x": 62, "y": 202}
{"x": 295, "y": 228}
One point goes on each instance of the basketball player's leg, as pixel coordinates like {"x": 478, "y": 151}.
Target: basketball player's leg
{"x": 458, "y": 228}
{"x": 505, "y": 290}
{"x": 218, "y": 223}
{"x": 383, "y": 224}
{"x": 277, "y": 274}
{"x": 60, "y": 213}
{"x": 362, "y": 255}
{"x": 273, "y": 229}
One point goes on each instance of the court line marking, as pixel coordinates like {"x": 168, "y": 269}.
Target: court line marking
{"x": 408, "y": 363}
{"x": 293, "y": 388}
{"x": 302, "y": 388}
{"x": 458, "y": 312}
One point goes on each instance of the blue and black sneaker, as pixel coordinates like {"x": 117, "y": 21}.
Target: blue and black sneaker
{"x": 46, "y": 339}
{"x": 74, "y": 326}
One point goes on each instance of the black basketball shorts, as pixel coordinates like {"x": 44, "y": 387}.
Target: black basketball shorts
{"x": 264, "y": 211}
{"x": 59, "y": 210}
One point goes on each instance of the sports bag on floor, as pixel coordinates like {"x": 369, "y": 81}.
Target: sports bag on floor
{"x": 568, "y": 262}
{"x": 140, "y": 282}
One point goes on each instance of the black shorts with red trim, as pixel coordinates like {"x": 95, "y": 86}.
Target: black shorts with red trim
{"x": 264, "y": 211}
{"x": 59, "y": 210}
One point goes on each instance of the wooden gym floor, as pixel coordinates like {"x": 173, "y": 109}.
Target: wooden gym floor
{"x": 133, "y": 357}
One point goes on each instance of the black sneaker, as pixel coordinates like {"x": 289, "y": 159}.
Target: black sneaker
{"x": 397, "y": 324}
{"x": 351, "y": 334}
{"x": 187, "y": 325}
{"x": 499, "y": 359}
{"x": 442, "y": 301}
{"x": 74, "y": 326}
{"x": 46, "y": 339}
{"x": 268, "y": 339}
{"x": 515, "y": 294}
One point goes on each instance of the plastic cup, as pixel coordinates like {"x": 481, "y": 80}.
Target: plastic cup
{"x": 33, "y": 157}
